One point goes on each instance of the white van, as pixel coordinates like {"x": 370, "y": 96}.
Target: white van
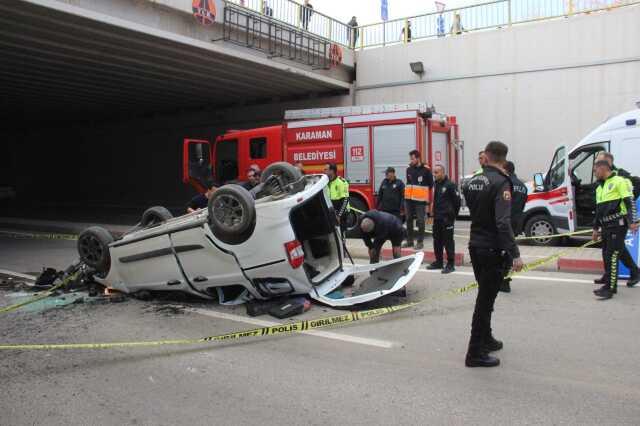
{"x": 563, "y": 200}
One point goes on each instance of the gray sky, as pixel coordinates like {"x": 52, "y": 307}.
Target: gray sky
{"x": 368, "y": 11}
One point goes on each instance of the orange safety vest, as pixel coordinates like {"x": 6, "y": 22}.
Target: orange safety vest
{"x": 416, "y": 193}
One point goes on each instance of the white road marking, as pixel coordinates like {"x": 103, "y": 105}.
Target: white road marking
{"x": 519, "y": 277}
{"x": 18, "y": 274}
{"x": 326, "y": 334}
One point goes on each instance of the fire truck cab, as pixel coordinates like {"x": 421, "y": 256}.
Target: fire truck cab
{"x": 362, "y": 140}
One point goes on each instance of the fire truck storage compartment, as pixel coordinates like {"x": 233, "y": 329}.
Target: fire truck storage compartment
{"x": 391, "y": 147}
{"x": 356, "y": 147}
{"x": 314, "y": 226}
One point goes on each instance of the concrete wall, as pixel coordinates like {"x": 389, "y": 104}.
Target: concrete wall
{"x": 533, "y": 86}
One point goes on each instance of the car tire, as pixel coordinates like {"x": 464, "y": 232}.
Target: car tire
{"x": 155, "y": 216}
{"x": 540, "y": 225}
{"x": 93, "y": 248}
{"x": 290, "y": 176}
{"x": 232, "y": 214}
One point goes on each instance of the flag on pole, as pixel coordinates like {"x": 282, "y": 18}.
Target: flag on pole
{"x": 384, "y": 10}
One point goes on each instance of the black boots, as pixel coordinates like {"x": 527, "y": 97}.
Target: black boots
{"x": 434, "y": 266}
{"x": 605, "y": 292}
{"x": 449, "y": 268}
{"x": 505, "y": 287}
{"x": 481, "y": 360}
{"x": 492, "y": 344}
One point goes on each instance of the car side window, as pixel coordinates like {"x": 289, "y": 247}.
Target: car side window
{"x": 258, "y": 148}
{"x": 557, "y": 170}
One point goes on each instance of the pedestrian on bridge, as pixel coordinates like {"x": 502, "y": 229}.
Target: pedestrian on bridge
{"x": 305, "y": 14}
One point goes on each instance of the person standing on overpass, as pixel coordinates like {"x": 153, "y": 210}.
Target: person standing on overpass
{"x": 488, "y": 196}
{"x": 416, "y": 195}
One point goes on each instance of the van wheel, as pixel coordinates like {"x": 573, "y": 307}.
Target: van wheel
{"x": 354, "y": 216}
{"x": 93, "y": 248}
{"x": 540, "y": 225}
{"x": 155, "y": 216}
{"x": 232, "y": 214}
{"x": 282, "y": 178}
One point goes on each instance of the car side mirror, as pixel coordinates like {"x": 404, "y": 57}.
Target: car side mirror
{"x": 538, "y": 182}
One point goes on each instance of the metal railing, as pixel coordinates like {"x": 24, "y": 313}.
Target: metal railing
{"x": 298, "y": 16}
{"x": 494, "y": 14}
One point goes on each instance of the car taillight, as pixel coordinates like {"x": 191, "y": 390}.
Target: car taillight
{"x": 294, "y": 253}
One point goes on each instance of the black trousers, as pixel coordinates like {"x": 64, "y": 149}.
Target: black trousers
{"x": 612, "y": 249}
{"x": 488, "y": 268}
{"x": 625, "y": 258}
{"x": 443, "y": 240}
{"x": 415, "y": 209}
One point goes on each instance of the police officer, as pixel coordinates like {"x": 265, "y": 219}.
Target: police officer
{"x": 446, "y": 205}
{"x": 338, "y": 191}
{"x": 625, "y": 257}
{"x": 488, "y": 195}
{"x": 615, "y": 214}
{"x": 416, "y": 195}
{"x": 518, "y": 201}
{"x": 377, "y": 227}
{"x": 391, "y": 193}
{"x": 482, "y": 160}
{"x": 201, "y": 201}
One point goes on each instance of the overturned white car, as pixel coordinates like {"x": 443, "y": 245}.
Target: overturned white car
{"x": 279, "y": 239}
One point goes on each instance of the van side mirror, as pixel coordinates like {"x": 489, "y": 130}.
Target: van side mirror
{"x": 538, "y": 182}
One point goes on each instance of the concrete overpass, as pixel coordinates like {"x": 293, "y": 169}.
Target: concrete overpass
{"x": 67, "y": 60}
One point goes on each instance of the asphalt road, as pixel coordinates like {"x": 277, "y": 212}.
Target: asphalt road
{"x": 568, "y": 359}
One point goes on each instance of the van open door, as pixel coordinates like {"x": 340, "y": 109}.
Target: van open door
{"x": 554, "y": 196}
{"x": 197, "y": 161}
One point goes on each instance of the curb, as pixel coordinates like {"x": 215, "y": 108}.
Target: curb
{"x": 581, "y": 265}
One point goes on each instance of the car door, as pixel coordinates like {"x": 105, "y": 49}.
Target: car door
{"x": 371, "y": 281}
{"x": 197, "y": 160}
{"x": 559, "y": 193}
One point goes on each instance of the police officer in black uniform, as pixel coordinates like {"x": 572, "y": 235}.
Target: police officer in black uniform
{"x": 488, "y": 195}
{"x": 518, "y": 201}
{"x": 391, "y": 193}
{"x": 446, "y": 205}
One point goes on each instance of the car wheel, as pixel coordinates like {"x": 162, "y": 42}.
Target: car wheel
{"x": 155, "y": 216}
{"x": 93, "y": 247}
{"x": 289, "y": 179}
{"x": 232, "y": 214}
{"x": 540, "y": 226}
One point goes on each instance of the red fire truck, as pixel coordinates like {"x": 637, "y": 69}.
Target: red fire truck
{"x": 362, "y": 140}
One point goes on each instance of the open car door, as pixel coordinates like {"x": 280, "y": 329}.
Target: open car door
{"x": 370, "y": 281}
{"x": 558, "y": 193}
{"x": 197, "y": 160}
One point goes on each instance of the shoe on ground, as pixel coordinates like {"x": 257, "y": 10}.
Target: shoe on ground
{"x": 435, "y": 265}
{"x": 448, "y": 269}
{"x": 481, "y": 360}
{"x": 505, "y": 287}
{"x": 492, "y": 344}
{"x": 601, "y": 280}
{"x": 419, "y": 246}
{"x": 408, "y": 244}
{"x": 633, "y": 281}
{"x": 604, "y": 292}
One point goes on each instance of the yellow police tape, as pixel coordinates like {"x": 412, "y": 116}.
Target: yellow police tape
{"x": 290, "y": 328}
{"x": 44, "y": 295}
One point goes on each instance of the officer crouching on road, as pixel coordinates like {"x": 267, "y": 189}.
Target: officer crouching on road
{"x": 377, "y": 227}
{"x": 338, "y": 192}
{"x": 518, "y": 202}
{"x": 391, "y": 194}
{"x": 615, "y": 214}
{"x": 488, "y": 195}
{"x": 419, "y": 182}
{"x": 446, "y": 205}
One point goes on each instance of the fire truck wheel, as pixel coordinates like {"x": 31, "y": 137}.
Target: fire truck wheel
{"x": 232, "y": 214}
{"x": 540, "y": 225}
{"x": 93, "y": 247}
{"x": 155, "y": 216}
{"x": 289, "y": 175}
